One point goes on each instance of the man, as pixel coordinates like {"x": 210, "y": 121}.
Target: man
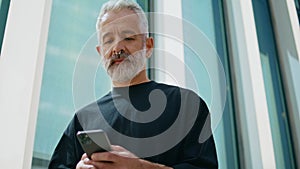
{"x": 137, "y": 111}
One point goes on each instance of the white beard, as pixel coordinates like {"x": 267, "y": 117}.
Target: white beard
{"x": 128, "y": 68}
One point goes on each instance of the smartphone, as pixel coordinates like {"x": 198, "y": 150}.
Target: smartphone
{"x": 93, "y": 141}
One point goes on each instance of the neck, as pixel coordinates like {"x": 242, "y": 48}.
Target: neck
{"x": 138, "y": 79}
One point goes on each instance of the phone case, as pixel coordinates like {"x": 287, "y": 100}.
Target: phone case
{"x": 93, "y": 141}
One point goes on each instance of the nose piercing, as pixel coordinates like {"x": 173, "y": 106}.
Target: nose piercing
{"x": 118, "y": 54}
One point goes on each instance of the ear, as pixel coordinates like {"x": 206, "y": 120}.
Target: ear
{"x": 98, "y": 48}
{"x": 149, "y": 46}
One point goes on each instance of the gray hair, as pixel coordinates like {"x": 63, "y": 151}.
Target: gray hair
{"x": 117, "y": 5}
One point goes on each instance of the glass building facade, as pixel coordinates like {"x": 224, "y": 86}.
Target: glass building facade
{"x": 259, "y": 122}
{"x": 297, "y": 4}
{"x": 4, "y": 6}
{"x": 208, "y": 17}
{"x": 273, "y": 84}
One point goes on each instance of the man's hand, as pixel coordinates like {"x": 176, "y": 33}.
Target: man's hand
{"x": 118, "y": 158}
{"x": 81, "y": 164}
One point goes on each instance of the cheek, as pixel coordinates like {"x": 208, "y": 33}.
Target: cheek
{"x": 105, "y": 52}
{"x": 136, "y": 47}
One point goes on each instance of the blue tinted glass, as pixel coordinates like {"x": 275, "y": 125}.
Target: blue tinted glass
{"x": 208, "y": 17}
{"x": 297, "y": 3}
{"x": 71, "y": 25}
{"x": 71, "y": 38}
{"x": 273, "y": 85}
{"x": 4, "y": 6}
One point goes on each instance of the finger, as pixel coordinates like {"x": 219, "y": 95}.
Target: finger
{"x": 82, "y": 165}
{"x": 105, "y": 157}
{"x": 106, "y": 165}
{"x": 87, "y": 161}
{"x": 118, "y": 148}
{"x": 124, "y": 154}
{"x": 121, "y": 151}
{"x": 84, "y": 156}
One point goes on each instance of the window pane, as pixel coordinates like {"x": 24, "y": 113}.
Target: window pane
{"x": 297, "y": 3}
{"x": 208, "y": 17}
{"x": 273, "y": 85}
{"x": 71, "y": 35}
{"x": 71, "y": 24}
{"x": 4, "y": 6}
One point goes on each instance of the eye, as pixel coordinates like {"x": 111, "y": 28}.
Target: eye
{"x": 129, "y": 39}
{"x": 109, "y": 41}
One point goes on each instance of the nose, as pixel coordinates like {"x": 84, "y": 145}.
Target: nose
{"x": 118, "y": 47}
{"x": 117, "y": 55}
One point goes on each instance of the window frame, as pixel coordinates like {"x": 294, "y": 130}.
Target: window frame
{"x": 4, "y": 9}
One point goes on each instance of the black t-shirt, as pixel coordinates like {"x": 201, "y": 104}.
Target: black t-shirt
{"x": 157, "y": 122}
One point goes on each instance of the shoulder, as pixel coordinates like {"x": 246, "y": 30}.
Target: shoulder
{"x": 92, "y": 108}
{"x": 183, "y": 92}
{"x": 186, "y": 96}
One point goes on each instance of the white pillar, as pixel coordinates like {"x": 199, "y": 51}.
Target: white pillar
{"x": 21, "y": 67}
{"x": 168, "y": 49}
{"x": 287, "y": 33}
{"x": 251, "y": 103}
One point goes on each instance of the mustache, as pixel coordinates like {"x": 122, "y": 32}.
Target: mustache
{"x": 119, "y": 55}
{"x": 116, "y": 56}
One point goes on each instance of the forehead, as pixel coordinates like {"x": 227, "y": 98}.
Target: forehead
{"x": 124, "y": 19}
